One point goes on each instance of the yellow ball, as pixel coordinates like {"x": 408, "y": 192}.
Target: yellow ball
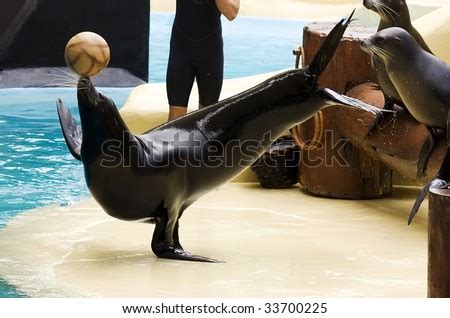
{"x": 87, "y": 54}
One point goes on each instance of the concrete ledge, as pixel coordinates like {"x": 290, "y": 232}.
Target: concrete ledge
{"x": 279, "y": 243}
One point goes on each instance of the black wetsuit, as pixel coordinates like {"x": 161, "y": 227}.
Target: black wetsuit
{"x": 196, "y": 52}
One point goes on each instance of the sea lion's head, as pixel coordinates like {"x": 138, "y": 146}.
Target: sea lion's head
{"x": 90, "y": 99}
{"x": 390, "y": 45}
{"x": 391, "y": 12}
{"x": 98, "y": 113}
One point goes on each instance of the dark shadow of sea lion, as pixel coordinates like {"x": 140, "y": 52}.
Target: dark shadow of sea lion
{"x": 156, "y": 176}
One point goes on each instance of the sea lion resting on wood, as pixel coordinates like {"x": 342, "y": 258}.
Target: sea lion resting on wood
{"x": 395, "y": 13}
{"x": 423, "y": 82}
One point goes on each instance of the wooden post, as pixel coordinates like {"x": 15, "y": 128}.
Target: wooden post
{"x": 360, "y": 177}
{"x": 439, "y": 244}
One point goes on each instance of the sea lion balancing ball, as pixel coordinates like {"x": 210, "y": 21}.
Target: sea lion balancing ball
{"x": 87, "y": 54}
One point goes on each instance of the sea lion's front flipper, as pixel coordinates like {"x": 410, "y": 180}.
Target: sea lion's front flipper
{"x": 172, "y": 250}
{"x": 434, "y": 184}
{"x": 425, "y": 153}
{"x": 441, "y": 181}
{"x": 71, "y": 131}
{"x": 181, "y": 255}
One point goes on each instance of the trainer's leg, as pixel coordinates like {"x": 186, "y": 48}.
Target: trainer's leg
{"x": 210, "y": 71}
{"x": 176, "y": 112}
{"x": 180, "y": 76}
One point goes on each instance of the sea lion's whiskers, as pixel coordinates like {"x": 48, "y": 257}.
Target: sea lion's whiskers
{"x": 56, "y": 83}
{"x": 378, "y": 9}
{"x": 65, "y": 79}
{"x": 373, "y": 49}
{"x": 379, "y": 52}
{"x": 59, "y": 76}
{"x": 64, "y": 74}
{"x": 63, "y": 82}
{"x": 390, "y": 9}
{"x": 69, "y": 74}
{"x": 387, "y": 13}
{"x": 382, "y": 56}
{"x": 388, "y": 55}
{"x": 383, "y": 11}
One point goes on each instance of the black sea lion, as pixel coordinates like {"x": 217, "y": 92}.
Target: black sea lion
{"x": 423, "y": 82}
{"x": 155, "y": 176}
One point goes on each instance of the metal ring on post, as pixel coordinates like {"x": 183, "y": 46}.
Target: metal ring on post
{"x": 318, "y": 118}
{"x": 316, "y": 142}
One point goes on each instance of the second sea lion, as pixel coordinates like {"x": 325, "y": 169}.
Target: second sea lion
{"x": 422, "y": 81}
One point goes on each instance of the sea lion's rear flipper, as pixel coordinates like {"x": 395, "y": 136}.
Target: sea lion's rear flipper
{"x": 333, "y": 98}
{"x": 328, "y": 48}
{"x": 71, "y": 131}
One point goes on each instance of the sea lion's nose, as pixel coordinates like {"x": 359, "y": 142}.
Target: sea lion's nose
{"x": 362, "y": 43}
{"x": 87, "y": 91}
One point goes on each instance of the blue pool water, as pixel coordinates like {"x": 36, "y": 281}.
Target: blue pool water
{"x": 36, "y": 168}
{"x": 251, "y": 45}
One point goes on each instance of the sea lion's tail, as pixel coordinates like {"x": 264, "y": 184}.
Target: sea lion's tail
{"x": 329, "y": 46}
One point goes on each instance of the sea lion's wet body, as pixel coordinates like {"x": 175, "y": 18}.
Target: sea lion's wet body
{"x": 423, "y": 82}
{"x": 228, "y": 126}
{"x": 393, "y": 13}
{"x": 155, "y": 176}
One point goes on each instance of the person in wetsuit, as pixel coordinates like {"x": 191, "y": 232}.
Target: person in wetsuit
{"x": 196, "y": 52}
